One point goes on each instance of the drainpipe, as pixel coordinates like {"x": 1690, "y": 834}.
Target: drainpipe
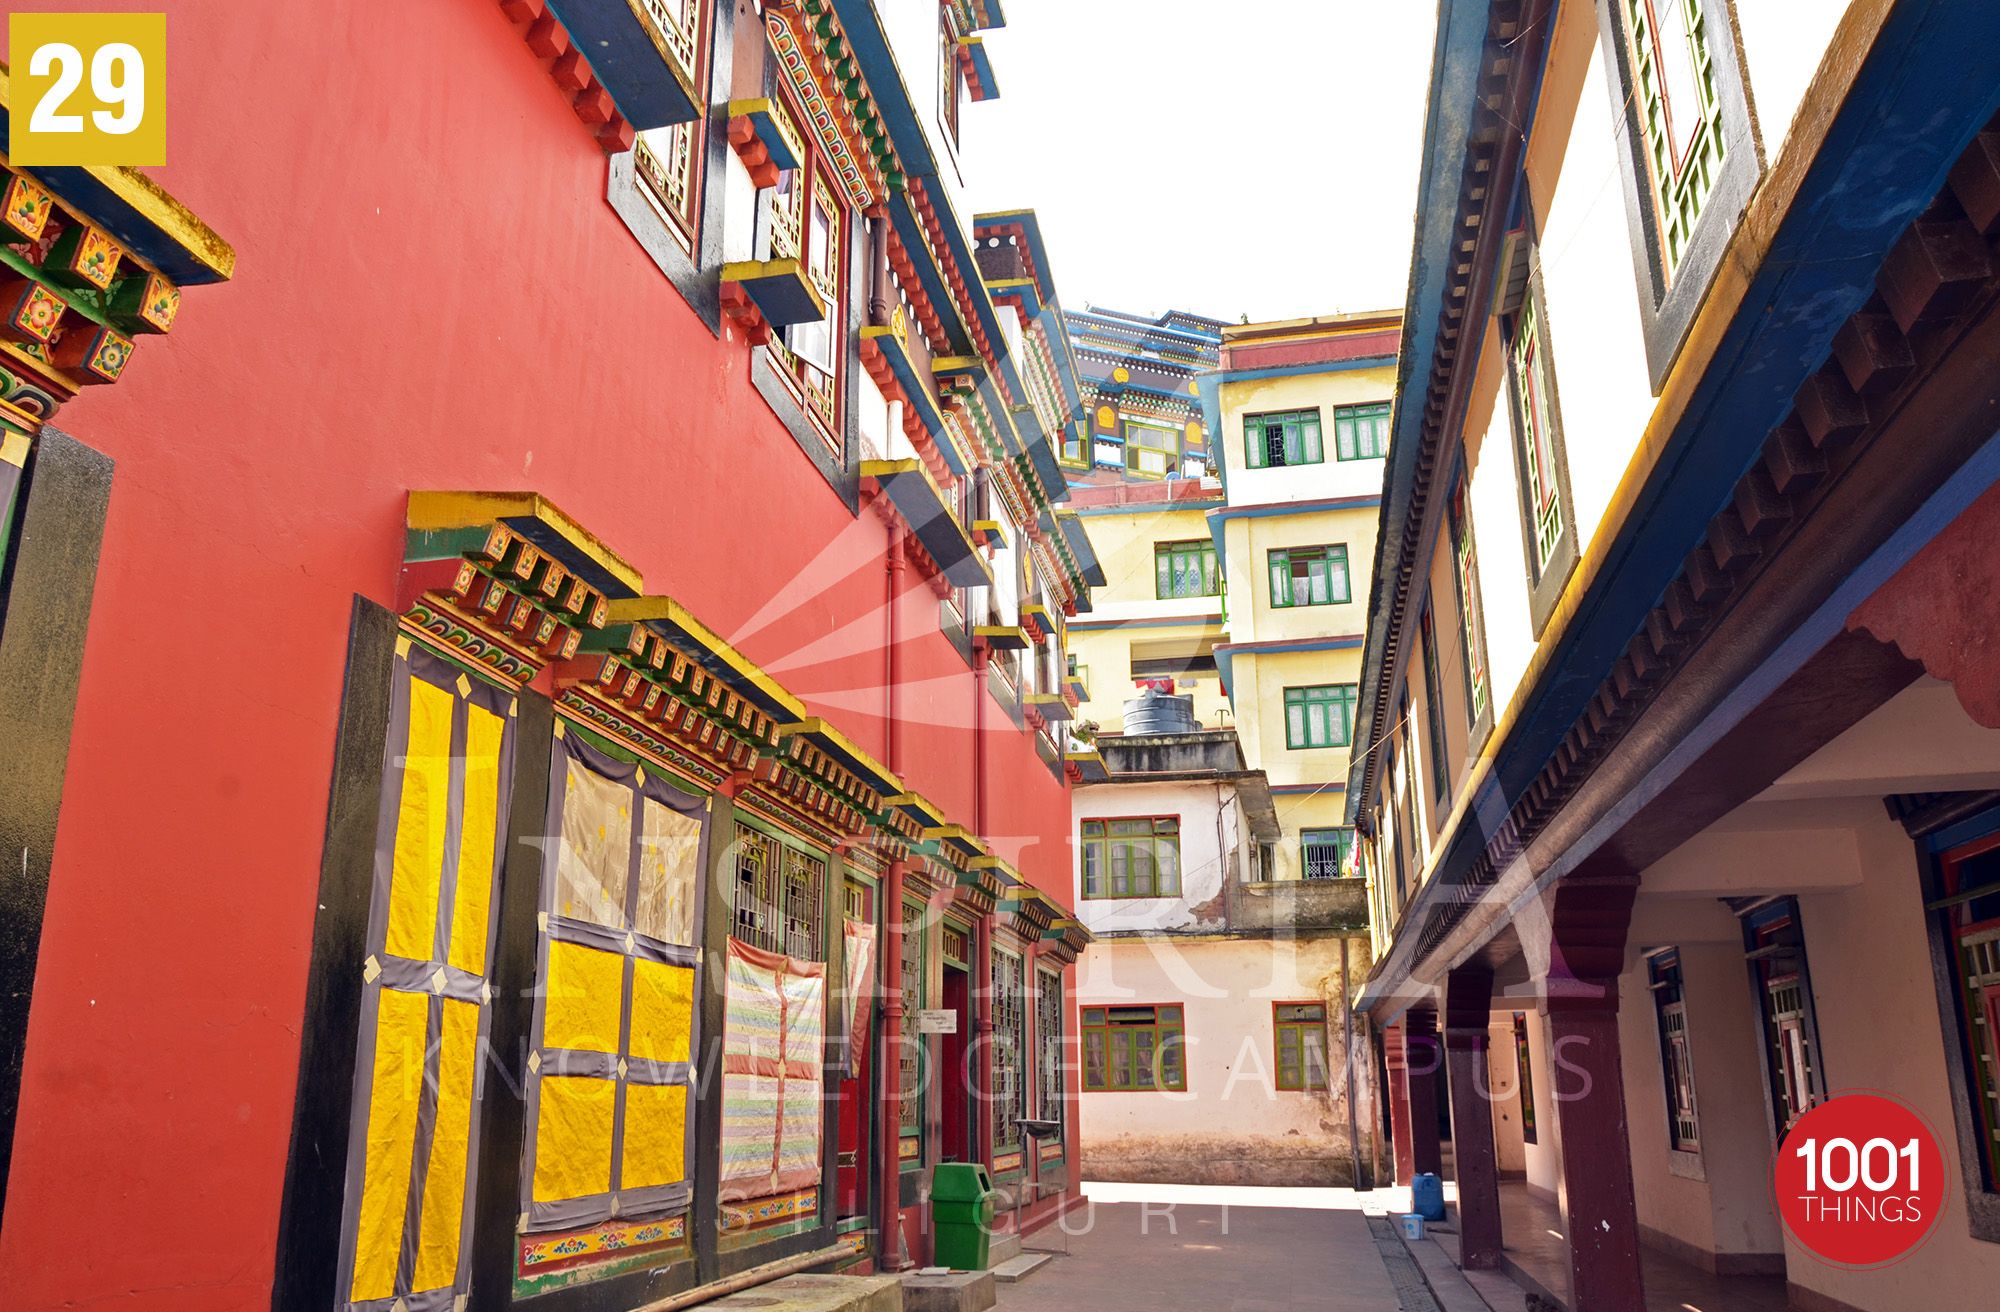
{"x": 982, "y": 931}
{"x": 1347, "y": 1042}
{"x": 889, "y": 1072}
{"x": 892, "y": 658}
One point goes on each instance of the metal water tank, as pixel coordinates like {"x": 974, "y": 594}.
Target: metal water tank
{"x": 1159, "y": 712}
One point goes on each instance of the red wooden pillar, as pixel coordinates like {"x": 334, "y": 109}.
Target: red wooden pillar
{"x": 1426, "y": 1061}
{"x": 1395, "y": 1056}
{"x": 888, "y": 1064}
{"x": 1468, "y": 1010}
{"x": 1588, "y": 921}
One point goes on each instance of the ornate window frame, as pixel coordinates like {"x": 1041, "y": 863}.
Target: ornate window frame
{"x": 1674, "y": 269}
{"x": 1541, "y": 460}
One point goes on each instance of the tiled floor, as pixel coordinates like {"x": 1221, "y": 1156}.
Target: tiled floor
{"x": 1532, "y": 1235}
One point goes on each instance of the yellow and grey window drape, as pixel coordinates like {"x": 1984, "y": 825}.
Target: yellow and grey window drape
{"x": 610, "y": 1102}
{"x": 425, "y": 1011}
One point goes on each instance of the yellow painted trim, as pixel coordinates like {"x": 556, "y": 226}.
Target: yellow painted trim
{"x": 1742, "y": 259}
{"x": 813, "y": 727}
{"x": 642, "y": 610}
{"x": 740, "y": 271}
{"x": 1000, "y": 863}
{"x": 154, "y": 204}
{"x": 955, "y": 834}
{"x": 14, "y": 448}
{"x": 432, "y": 511}
{"x": 918, "y": 802}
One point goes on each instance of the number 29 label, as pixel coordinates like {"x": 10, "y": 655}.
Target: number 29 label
{"x": 87, "y": 88}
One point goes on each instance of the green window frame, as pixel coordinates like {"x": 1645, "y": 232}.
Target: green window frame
{"x": 1309, "y": 576}
{"x": 1134, "y": 1049}
{"x": 1282, "y": 439}
{"x": 1323, "y": 853}
{"x": 1320, "y": 716}
{"x": 1471, "y": 622}
{"x": 1525, "y": 1076}
{"x": 1137, "y": 856}
{"x": 1535, "y": 420}
{"x": 1361, "y": 432}
{"x": 1151, "y": 450}
{"x": 1186, "y": 569}
{"x": 1299, "y": 1036}
{"x": 1680, "y": 113}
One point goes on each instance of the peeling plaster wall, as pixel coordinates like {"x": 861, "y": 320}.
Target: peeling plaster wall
{"x": 1211, "y": 850}
{"x": 1231, "y": 1126}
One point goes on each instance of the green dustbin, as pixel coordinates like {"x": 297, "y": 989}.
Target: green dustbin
{"x": 962, "y": 1210}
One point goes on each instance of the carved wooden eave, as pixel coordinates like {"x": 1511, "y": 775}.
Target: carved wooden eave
{"x": 92, "y": 259}
{"x": 505, "y": 580}
{"x": 1516, "y": 43}
{"x": 1939, "y": 283}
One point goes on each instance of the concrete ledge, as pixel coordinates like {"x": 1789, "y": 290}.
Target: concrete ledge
{"x": 950, "y": 1291}
{"x": 813, "y": 1293}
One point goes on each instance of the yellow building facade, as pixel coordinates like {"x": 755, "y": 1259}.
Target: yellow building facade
{"x": 1300, "y": 409}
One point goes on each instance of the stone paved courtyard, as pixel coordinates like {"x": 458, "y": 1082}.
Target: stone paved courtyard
{"x": 1218, "y": 1249}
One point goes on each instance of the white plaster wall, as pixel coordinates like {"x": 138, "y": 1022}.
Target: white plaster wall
{"x": 1543, "y": 1158}
{"x": 1783, "y": 42}
{"x": 1495, "y": 510}
{"x": 912, "y": 29}
{"x": 1596, "y": 340}
{"x": 1879, "y": 1029}
{"x": 1211, "y": 822}
{"x": 1227, "y": 989}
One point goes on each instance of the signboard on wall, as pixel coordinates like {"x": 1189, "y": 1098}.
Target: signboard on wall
{"x": 936, "y": 1020}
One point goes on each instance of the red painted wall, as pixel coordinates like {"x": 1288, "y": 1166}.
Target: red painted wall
{"x": 431, "y": 293}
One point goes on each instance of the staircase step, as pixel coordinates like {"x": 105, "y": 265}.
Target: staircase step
{"x": 1019, "y": 1268}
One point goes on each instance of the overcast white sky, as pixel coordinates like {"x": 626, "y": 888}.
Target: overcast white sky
{"x": 1228, "y": 157}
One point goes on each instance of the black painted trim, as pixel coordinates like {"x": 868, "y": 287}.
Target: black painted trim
{"x": 309, "y": 1218}
{"x": 1667, "y": 311}
{"x": 694, "y": 277}
{"x": 1546, "y": 584}
{"x": 46, "y": 586}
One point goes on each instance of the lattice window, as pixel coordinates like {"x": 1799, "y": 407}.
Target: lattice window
{"x": 1680, "y": 112}
{"x": 1048, "y": 1034}
{"x": 1323, "y": 852}
{"x": 757, "y": 890}
{"x": 805, "y": 877}
{"x": 1186, "y": 569}
{"x": 910, "y": 1068}
{"x": 1289, "y": 438}
{"x": 780, "y": 890}
{"x": 667, "y": 161}
{"x": 1535, "y": 422}
{"x": 1010, "y": 1043}
{"x": 1472, "y": 625}
{"x": 1134, "y": 1049}
{"x": 1676, "y": 1053}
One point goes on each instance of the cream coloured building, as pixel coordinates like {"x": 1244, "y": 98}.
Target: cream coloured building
{"x": 1221, "y": 661}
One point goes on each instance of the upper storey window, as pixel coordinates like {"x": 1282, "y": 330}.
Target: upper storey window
{"x": 1290, "y": 438}
{"x": 951, "y": 79}
{"x": 1548, "y": 529}
{"x": 1680, "y": 111}
{"x": 1361, "y": 432}
{"x": 1151, "y": 451}
{"x": 1688, "y": 151}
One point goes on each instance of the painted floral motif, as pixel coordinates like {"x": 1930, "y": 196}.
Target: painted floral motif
{"x": 27, "y": 207}
{"x": 39, "y": 313}
{"x": 96, "y": 258}
{"x": 162, "y": 304}
{"x": 108, "y": 360}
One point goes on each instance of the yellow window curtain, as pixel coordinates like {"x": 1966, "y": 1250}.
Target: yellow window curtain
{"x": 447, "y": 774}
{"x": 610, "y": 1108}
